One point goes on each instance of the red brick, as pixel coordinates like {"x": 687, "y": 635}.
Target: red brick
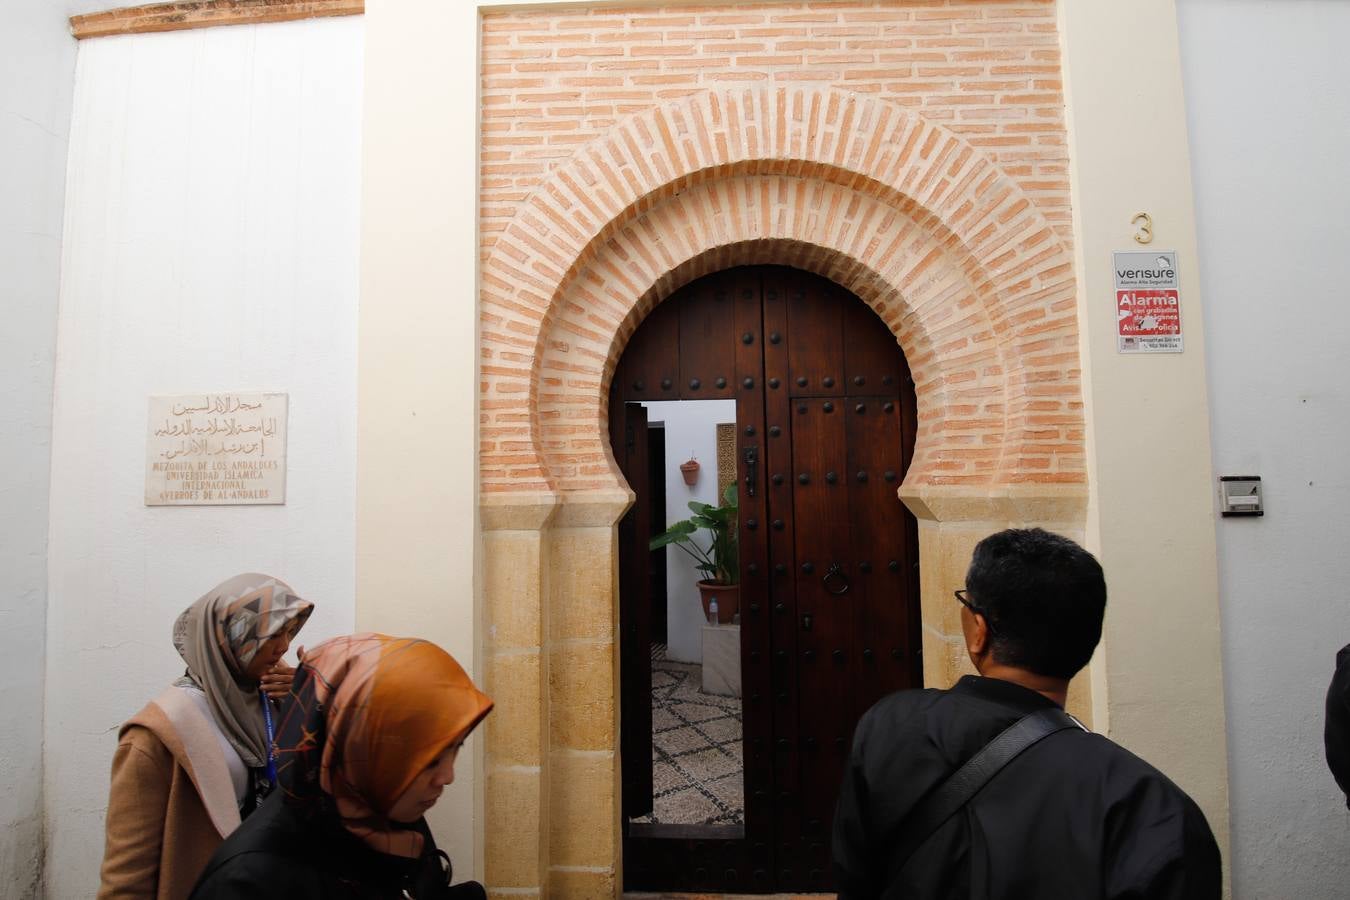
{"x": 994, "y": 243}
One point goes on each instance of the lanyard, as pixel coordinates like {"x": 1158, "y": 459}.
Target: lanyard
{"x": 271, "y": 738}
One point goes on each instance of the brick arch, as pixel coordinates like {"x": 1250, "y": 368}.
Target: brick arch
{"x": 974, "y": 282}
{"x": 972, "y": 389}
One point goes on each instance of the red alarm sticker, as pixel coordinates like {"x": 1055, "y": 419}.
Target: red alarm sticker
{"x": 1148, "y": 302}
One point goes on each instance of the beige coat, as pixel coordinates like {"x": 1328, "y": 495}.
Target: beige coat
{"x": 171, "y": 803}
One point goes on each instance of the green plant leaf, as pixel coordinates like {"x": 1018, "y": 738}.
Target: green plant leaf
{"x": 720, "y": 561}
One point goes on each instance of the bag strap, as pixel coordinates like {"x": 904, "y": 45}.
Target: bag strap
{"x": 948, "y": 798}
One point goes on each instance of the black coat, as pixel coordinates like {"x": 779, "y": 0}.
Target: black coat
{"x": 1074, "y": 816}
{"x": 1337, "y": 729}
{"x": 277, "y": 854}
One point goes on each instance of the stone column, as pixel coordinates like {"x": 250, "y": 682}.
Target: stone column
{"x": 952, "y": 520}
{"x": 515, "y": 575}
{"x": 585, "y": 832}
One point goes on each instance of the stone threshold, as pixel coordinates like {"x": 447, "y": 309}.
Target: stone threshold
{"x": 634, "y": 895}
{"x": 206, "y": 14}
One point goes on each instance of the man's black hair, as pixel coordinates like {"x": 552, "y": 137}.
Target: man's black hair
{"x": 1044, "y": 597}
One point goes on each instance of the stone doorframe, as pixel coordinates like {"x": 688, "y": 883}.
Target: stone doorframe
{"x": 955, "y": 258}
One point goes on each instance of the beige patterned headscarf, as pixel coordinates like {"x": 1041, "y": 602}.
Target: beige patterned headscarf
{"x": 219, "y": 635}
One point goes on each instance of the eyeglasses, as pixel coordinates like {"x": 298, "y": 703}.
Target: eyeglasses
{"x": 978, "y": 610}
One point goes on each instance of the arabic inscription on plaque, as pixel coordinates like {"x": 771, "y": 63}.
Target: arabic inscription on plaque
{"x": 216, "y": 450}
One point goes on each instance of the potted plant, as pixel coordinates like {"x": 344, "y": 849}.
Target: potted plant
{"x": 719, "y": 561}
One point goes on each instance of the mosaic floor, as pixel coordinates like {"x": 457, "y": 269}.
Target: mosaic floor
{"x": 696, "y": 749}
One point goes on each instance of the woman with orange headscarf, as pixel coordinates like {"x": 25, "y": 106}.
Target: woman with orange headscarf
{"x": 364, "y": 749}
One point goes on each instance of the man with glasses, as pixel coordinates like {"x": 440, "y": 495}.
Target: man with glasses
{"x": 989, "y": 790}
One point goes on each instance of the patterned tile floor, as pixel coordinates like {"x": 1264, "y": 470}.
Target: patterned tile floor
{"x": 697, "y": 768}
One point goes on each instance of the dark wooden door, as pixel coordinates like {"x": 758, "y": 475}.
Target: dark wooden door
{"x": 844, "y": 583}
{"x": 829, "y": 564}
{"x": 628, "y": 437}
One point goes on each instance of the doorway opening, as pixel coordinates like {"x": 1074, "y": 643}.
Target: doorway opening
{"x": 696, "y": 728}
{"x": 805, "y": 415}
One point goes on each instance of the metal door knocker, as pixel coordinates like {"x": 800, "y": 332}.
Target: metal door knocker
{"x": 841, "y": 586}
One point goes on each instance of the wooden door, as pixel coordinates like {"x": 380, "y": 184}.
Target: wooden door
{"x": 628, "y": 436}
{"x": 829, "y": 566}
{"x": 844, "y": 590}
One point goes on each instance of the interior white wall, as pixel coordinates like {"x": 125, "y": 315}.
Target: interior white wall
{"x": 1268, "y": 112}
{"x": 691, "y": 430}
{"x": 36, "y": 85}
{"x": 211, "y": 243}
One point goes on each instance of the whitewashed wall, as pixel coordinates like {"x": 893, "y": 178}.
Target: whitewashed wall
{"x": 211, "y": 243}
{"x": 36, "y": 83}
{"x": 1269, "y": 120}
{"x": 691, "y": 430}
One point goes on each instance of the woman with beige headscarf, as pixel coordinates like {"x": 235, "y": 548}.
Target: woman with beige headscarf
{"x": 365, "y": 747}
{"x": 198, "y": 758}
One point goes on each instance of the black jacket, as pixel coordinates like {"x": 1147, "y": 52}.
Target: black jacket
{"x": 1075, "y": 816}
{"x": 276, "y": 854}
{"x": 1337, "y": 728}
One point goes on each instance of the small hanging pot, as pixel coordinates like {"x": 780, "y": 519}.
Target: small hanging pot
{"x": 689, "y": 470}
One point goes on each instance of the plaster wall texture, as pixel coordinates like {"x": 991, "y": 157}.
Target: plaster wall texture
{"x": 211, "y": 244}
{"x": 418, "y": 546}
{"x": 691, "y": 430}
{"x": 35, "y": 102}
{"x": 1158, "y": 686}
{"x": 1270, "y": 207}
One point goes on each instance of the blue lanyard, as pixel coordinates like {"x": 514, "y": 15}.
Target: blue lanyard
{"x": 271, "y": 738}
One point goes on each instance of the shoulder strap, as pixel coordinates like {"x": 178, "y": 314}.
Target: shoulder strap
{"x": 948, "y": 798}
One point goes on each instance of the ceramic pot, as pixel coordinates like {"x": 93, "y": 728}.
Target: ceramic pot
{"x": 728, "y": 600}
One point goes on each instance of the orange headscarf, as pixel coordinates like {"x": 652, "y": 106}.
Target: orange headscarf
{"x": 367, "y": 714}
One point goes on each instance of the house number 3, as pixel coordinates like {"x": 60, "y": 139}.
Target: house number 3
{"x": 1144, "y": 222}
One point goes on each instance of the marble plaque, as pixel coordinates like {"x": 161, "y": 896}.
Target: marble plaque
{"x": 216, "y": 450}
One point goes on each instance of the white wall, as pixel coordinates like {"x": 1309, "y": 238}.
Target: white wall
{"x": 1268, "y": 110}
{"x": 691, "y": 430}
{"x": 35, "y": 97}
{"x": 211, "y": 243}
{"x": 1157, "y": 678}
